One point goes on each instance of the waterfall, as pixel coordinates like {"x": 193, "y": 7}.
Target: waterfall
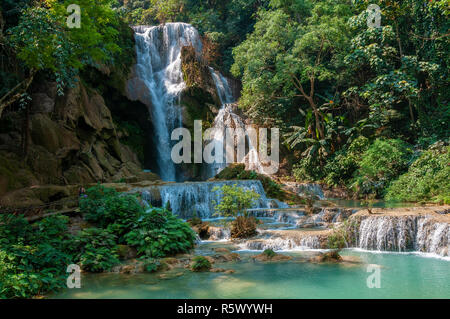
{"x": 222, "y": 87}
{"x": 404, "y": 233}
{"x": 197, "y": 198}
{"x": 280, "y": 243}
{"x": 226, "y": 118}
{"x": 158, "y": 68}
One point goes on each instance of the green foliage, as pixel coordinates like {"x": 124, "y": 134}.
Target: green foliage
{"x": 272, "y": 189}
{"x": 307, "y": 170}
{"x": 33, "y": 258}
{"x": 151, "y": 264}
{"x": 342, "y": 166}
{"x": 200, "y": 263}
{"x": 109, "y": 209}
{"x": 165, "y": 10}
{"x": 343, "y": 235}
{"x": 383, "y": 162}
{"x": 234, "y": 200}
{"x": 43, "y": 41}
{"x": 159, "y": 233}
{"x": 238, "y": 171}
{"x": 269, "y": 253}
{"x": 405, "y": 63}
{"x": 428, "y": 178}
{"x": 287, "y": 56}
{"x": 96, "y": 250}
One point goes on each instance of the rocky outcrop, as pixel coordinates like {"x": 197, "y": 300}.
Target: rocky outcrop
{"x": 72, "y": 140}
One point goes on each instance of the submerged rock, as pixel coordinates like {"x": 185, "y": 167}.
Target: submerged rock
{"x": 271, "y": 257}
{"x": 222, "y": 250}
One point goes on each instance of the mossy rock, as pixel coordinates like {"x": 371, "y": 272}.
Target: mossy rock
{"x": 200, "y": 263}
{"x": 270, "y": 255}
{"x": 14, "y": 173}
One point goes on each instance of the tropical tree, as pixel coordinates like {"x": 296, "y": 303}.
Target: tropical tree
{"x": 234, "y": 200}
{"x": 289, "y": 57}
{"x": 43, "y": 41}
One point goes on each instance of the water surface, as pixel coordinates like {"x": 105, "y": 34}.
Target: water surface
{"x": 401, "y": 276}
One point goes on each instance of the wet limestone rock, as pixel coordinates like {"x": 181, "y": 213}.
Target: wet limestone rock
{"x": 73, "y": 140}
{"x": 270, "y": 255}
{"x": 332, "y": 256}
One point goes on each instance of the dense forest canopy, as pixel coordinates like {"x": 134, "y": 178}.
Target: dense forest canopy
{"x": 357, "y": 104}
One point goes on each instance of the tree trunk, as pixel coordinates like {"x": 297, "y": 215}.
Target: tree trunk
{"x": 317, "y": 118}
{"x": 26, "y": 131}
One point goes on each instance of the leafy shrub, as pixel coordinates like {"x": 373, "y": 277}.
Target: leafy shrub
{"x": 160, "y": 233}
{"x": 342, "y": 166}
{"x": 234, "y": 200}
{"x": 109, "y": 209}
{"x": 33, "y": 258}
{"x": 308, "y": 169}
{"x": 200, "y": 263}
{"x": 96, "y": 250}
{"x": 237, "y": 171}
{"x": 383, "y": 161}
{"x": 151, "y": 264}
{"x": 427, "y": 178}
{"x": 231, "y": 172}
{"x": 272, "y": 189}
{"x": 331, "y": 256}
{"x": 343, "y": 235}
{"x": 269, "y": 253}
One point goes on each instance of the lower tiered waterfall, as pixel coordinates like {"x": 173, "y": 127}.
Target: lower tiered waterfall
{"x": 278, "y": 243}
{"x": 404, "y": 233}
{"x": 197, "y": 198}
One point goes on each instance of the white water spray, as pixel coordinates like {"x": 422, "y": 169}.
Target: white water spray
{"x": 159, "y": 69}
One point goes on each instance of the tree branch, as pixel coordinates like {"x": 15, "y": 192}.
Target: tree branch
{"x": 15, "y": 93}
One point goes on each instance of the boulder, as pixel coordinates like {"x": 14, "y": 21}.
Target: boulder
{"x": 222, "y": 250}
{"x": 227, "y": 257}
{"x": 330, "y": 256}
{"x": 42, "y": 103}
{"x": 126, "y": 252}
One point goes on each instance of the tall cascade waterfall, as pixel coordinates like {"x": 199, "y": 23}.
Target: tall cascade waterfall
{"x": 197, "y": 198}
{"x": 159, "y": 69}
{"x": 226, "y": 118}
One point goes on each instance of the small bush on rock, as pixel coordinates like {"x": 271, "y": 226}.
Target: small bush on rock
{"x": 269, "y": 253}
{"x": 200, "y": 263}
